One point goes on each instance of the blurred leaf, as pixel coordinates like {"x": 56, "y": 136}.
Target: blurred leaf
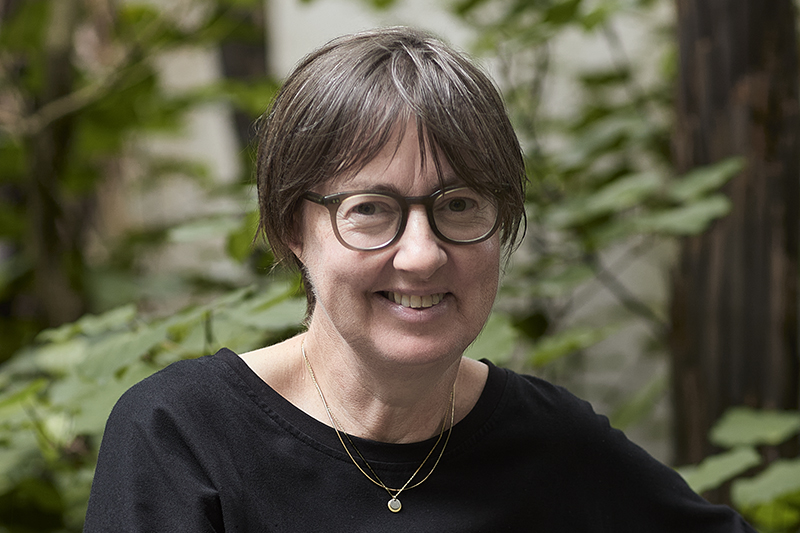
{"x": 638, "y": 407}
{"x": 690, "y": 219}
{"x": 91, "y": 325}
{"x": 108, "y": 355}
{"x": 250, "y": 96}
{"x": 559, "y": 281}
{"x": 159, "y": 168}
{"x": 602, "y": 78}
{"x": 74, "y": 486}
{"x": 496, "y": 341}
{"x": 742, "y": 426}
{"x": 599, "y": 15}
{"x": 717, "y": 469}
{"x": 276, "y": 316}
{"x": 598, "y": 136}
{"x": 242, "y": 3}
{"x": 21, "y": 395}
{"x": 240, "y": 241}
{"x": 13, "y": 164}
{"x": 18, "y": 455}
{"x": 463, "y": 7}
{"x": 94, "y": 400}
{"x": 566, "y": 342}
{"x": 33, "y": 504}
{"x": 777, "y": 516}
{"x": 562, "y": 13}
{"x": 780, "y": 479}
{"x": 624, "y": 193}
{"x": 203, "y": 229}
{"x": 58, "y": 358}
{"x": 381, "y": 4}
{"x": 25, "y": 29}
{"x": 532, "y": 325}
{"x": 704, "y": 180}
{"x": 617, "y": 196}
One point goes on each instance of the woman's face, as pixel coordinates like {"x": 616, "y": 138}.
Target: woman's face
{"x": 358, "y": 292}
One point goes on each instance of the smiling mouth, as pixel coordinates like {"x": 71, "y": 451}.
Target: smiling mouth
{"x": 413, "y": 301}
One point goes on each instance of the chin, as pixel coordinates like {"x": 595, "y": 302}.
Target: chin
{"x": 419, "y": 349}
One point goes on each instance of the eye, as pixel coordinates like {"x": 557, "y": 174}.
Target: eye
{"x": 366, "y": 208}
{"x": 460, "y": 204}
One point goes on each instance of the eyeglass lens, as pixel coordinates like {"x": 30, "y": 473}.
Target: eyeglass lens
{"x": 371, "y": 220}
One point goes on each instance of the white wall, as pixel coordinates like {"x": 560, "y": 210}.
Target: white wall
{"x": 296, "y": 28}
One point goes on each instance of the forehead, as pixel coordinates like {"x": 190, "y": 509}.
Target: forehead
{"x": 404, "y": 165}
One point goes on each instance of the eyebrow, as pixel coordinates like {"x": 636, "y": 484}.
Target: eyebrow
{"x": 450, "y": 180}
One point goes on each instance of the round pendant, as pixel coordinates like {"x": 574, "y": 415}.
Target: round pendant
{"x": 395, "y": 505}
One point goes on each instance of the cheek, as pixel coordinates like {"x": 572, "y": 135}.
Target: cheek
{"x": 486, "y": 263}
{"x": 334, "y": 272}
{"x": 487, "y": 274}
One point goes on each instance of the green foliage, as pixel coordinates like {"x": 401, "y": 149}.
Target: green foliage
{"x": 641, "y": 404}
{"x": 771, "y": 500}
{"x": 93, "y": 94}
{"x": 720, "y": 468}
{"x": 746, "y": 427}
{"x": 79, "y": 88}
{"x": 56, "y": 395}
{"x": 770, "y": 497}
{"x": 551, "y": 347}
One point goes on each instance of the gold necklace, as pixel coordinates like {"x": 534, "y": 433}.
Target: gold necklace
{"x": 394, "y": 503}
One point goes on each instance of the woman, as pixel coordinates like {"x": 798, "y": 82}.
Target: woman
{"x": 389, "y": 173}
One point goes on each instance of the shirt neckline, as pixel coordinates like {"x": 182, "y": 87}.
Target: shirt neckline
{"x": 314, "y": 432}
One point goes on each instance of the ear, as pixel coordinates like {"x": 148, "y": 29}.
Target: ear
{"x": 295, "y": 234}
{"x": 296, "y": 246}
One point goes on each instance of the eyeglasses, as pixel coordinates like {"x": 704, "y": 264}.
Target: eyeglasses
{"x": 366, "y": 220}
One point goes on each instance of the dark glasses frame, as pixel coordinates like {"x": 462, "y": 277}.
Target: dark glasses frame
{"x": 333, "y": 201}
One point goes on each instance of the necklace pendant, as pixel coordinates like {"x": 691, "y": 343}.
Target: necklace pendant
{"x": 395, "y": 505}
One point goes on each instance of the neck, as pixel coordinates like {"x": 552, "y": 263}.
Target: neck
{"x": 377, "y": 399}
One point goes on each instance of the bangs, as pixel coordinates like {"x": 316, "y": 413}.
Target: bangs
{"x": 456, "y": 109}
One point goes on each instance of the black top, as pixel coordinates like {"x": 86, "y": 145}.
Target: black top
{"x": 205, "y": 445}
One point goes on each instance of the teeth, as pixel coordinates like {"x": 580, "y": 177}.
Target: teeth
{"x": 414, "y": 301}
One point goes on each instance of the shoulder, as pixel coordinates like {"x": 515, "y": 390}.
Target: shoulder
{"x": 554, "y": 419}
{"x": 185, "y": 385}
{"x": 549, "y": 403}
{"x": 625, "y": 489}
{"x": 583, "y": 440}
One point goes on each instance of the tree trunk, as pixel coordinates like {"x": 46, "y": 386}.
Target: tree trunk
{"x": 55, "y": 227}
{"x": 734, "y": 301}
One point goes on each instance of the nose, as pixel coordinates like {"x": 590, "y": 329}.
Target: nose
{"x": 419, "y": 250}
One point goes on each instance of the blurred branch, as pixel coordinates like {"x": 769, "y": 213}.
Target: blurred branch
{"x": 627, "y": 298}
{"x": 20, "y": 127}
{"x": 116, "y": 78}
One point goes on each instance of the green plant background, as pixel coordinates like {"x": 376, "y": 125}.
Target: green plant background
{"x": 600, "y": 178}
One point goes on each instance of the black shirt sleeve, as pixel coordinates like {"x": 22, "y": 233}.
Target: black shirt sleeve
{"x": 148, "y": 477}
{"x": 614, "y": 480}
